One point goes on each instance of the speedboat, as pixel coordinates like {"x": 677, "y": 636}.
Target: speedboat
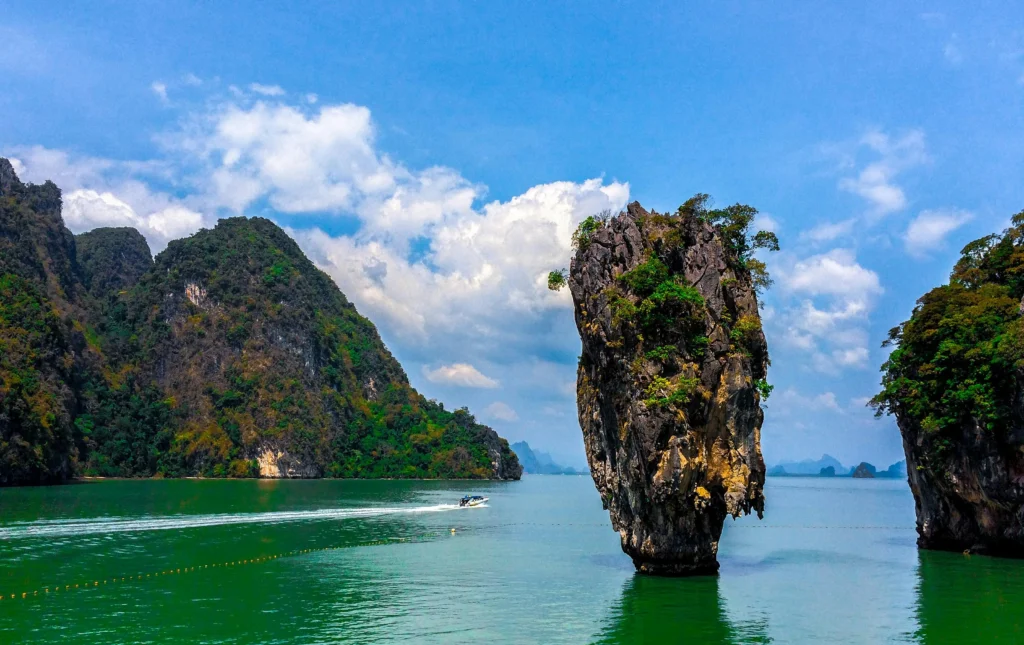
{"x": 472, "y": 500}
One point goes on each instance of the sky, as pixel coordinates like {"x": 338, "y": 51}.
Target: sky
{"x": 435, "y": 157}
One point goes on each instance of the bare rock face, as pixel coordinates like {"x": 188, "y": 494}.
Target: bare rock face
{"x": 668, "y": 383}
{"x": 975, "y": 502}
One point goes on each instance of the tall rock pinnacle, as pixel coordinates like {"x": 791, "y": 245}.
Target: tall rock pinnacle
{"x": 671, "y": 377}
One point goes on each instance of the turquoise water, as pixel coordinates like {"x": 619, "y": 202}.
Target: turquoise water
{"x": 339, "y": 561}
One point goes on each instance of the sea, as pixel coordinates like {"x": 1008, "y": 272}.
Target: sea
{"x": 337, "y": 561}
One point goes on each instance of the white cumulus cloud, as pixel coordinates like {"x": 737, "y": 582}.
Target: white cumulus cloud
{"x": 267, "y": 90}
{"x": 85, "y": 210}
{"x": 100, "y": 192}
{"x": 461, "y": 374}
{"x": 160, "y": 89}
{"x": 790, "y": 401}
{"x": 501, "y": 411}
{"x": 928, "y": 231}
{"x": 828, "y": 231}
{"x": 876, "y": 182}
{"x": 836, "y": 272}
{"x": 834, "y": 297}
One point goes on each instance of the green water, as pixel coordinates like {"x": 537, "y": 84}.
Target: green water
{"x": 834, "y": 560}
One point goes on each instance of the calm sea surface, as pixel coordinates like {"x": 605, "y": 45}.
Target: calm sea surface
{"x": 340, "y": 561}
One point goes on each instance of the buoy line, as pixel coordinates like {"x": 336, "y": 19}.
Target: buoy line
{"x": 35, "y": 593}
{"x": 732, "y": 526}
{"x": 92, "y": 584}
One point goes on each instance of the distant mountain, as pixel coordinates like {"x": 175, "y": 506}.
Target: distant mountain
{"x": 537, "y": 462}
{"x": 896, "y": 471}
{"x": 829, "y": 466}
{"x": 807, "y": 467}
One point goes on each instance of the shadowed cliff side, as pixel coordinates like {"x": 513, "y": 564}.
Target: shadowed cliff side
{"x": 41, "y": 338}
{"x": 671, "y": 376}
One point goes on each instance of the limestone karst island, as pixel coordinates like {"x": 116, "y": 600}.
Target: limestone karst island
{"x": 480, "y": 322}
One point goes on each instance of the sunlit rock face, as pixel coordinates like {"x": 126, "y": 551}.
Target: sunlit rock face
{"x": 667, "y": 385}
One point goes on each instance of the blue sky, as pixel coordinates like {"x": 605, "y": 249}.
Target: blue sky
{"x": 434, "y": 157}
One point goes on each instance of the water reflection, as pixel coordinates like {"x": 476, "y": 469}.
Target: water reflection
{"x": 672, "y": 610}
{"x": 969, "y": 599}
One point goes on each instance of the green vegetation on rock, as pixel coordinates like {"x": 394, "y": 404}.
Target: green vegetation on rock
{"x": 581, "y": 237}
{"x": 557, "y": 279}
{"x": 674, "y": 358}
{"x": 957, "y": 361}
{"x": 230, "y": 355}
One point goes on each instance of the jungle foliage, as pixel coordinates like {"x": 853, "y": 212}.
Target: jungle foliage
{"x": 656, "y": 309}
{"x": 958, "y": 360}
{"x": 231, "y": 344}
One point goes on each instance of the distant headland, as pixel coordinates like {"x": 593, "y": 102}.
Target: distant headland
{"x": 538, "y": 462}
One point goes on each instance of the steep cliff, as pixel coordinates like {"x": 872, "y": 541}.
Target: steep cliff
{"x": 955, "y": 382}
{"x": 671, "y": 376}
{"x": 231, "y": 354}
{"x": 38, "y": 333}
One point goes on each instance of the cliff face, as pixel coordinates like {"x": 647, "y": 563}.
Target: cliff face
{"x": 670, "y": 379}
{"x": 278, "y": 375}
{"x": 955, "y": 382}
{"x": 974, "y": 500}
{"x": 231, "y": 354}
{"x": 38, "y": 337}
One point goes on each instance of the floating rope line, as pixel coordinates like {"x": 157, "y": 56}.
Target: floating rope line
{"x": 837, "y": 527}
{"x": 731, "y": 526}
{"x": 6, "y": 598}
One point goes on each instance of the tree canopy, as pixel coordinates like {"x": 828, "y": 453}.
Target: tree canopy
{"x": 958, "y": 359}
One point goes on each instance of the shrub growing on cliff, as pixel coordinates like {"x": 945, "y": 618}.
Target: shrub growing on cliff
{"x": 645, "y": 278}
{"x": 589, "y": 226}
{"x": 733, "y": 224}
{"x": 745, "y": 333}
{"x": 662, "y": 392}
{"x": 670, "y": 304}
{"x": 557, "y": 279}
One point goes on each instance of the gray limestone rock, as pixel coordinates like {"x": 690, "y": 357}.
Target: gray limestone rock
{"x": 667, "y": 385}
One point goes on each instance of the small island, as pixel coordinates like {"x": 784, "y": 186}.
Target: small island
{"x": 829, "y": 466}
{"x": 672, "y": 375}
{"x": 954, "y": 382}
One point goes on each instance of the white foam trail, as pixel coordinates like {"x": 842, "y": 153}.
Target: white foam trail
{"x": 99, "y": 525}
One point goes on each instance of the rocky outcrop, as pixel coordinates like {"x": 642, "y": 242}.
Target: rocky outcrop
{"x": 275, "y": 463}
{"x": 40, "y": 346}
{"x": 112, "y": 260}
{"x": 954, "y": 380}
{"x": 670, "y": 380}
{"x": 975, "y": 501}
{"x": 8, "y": 178}
{"x": 864, "y": 470}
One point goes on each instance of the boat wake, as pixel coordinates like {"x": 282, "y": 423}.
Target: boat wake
{"x": 100, "y": 525}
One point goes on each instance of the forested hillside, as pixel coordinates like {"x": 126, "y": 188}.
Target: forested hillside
{"x": 231, "y": 354}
